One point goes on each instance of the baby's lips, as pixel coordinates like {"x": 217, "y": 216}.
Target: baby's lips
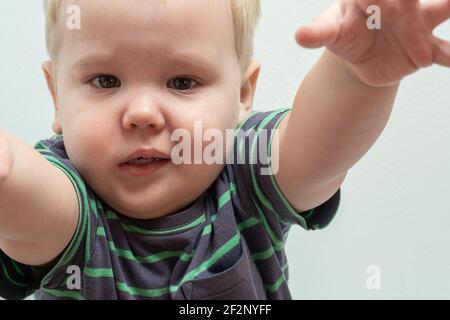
{"x": 146, "y": 153}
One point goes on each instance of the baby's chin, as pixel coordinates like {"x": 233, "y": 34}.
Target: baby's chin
{"x": 146, "y": 210}
{"x": 141, "y": 213}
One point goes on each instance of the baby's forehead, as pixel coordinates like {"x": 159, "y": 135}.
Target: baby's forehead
{"x": 154, "y": 23}
{"x": 151, "y": 29}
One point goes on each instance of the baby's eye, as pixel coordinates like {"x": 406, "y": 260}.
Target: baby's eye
{"x": 182, "y": 84}
{"x": 105, "y": 82}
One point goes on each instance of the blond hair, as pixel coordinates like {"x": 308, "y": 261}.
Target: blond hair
{"x": 246, "y": 14}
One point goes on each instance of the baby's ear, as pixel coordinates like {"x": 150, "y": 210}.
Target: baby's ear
{"x": 51, "y": 84}
{"x": 248, "y": 87}
{"x": 47, "y": 69}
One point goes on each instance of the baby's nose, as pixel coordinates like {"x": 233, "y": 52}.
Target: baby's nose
{"x": 144, "y": 112}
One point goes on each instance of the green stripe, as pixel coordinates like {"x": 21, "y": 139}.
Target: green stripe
{"x": 5, "y": 272}
{"x": 94, "y": 207}
{"x": 224, "y": 249}
{"x": 98, "y": 272}
{"x": 101, "y": 232}
{"x": 64, "y": 293}
{"x": 127, "y": 254}
{"x": 110, "y": 215}
{"x": 232, "y": 187}
{"x": 19, "y": 271}
{"x": 241, "y": 149}
{"x": 274, "y": 287}
{"x": 241, "y": 141}
{"x": 206, "y": 230}
{"x": 308, "y": 214}
{"x": 224, "y": 198}
{"x": 250, "y": 222}
{"x": 41, "y": 147}
{"x": 238, "y": 128}
{"x": 274, "y": 239}
{"x": 87, "y": 250}
{"x": 121, "y": 286}
{"x": 263, "y": 255}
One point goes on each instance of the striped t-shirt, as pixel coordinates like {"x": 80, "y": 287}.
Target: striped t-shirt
{"x": 228, "y": 244}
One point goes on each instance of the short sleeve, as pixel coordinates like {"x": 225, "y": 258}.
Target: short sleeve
{"x": 79, "y": 250}
{"x": 257, "y": 188}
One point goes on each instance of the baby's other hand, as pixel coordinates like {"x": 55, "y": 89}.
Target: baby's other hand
{"x": 381, "y": 57}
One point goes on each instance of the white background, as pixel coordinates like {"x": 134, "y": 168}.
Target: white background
{"x": 395, "y": 209}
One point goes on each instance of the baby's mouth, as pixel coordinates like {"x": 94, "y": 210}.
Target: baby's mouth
{"x": 143, "y": 161}
{"x": 145, "y": 156}
{"x": 144, "y": 167}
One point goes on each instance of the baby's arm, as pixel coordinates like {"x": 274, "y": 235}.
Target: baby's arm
{"x": 341, "y": 119}
{"x": 345, "y": 101}
{"x": 38, "y": 204}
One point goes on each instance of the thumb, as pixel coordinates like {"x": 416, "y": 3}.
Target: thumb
{"x": 323, "y": 31}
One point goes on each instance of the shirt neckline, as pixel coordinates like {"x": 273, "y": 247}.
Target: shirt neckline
{"x": 185, "y": 219}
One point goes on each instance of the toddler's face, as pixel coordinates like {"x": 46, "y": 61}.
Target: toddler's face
{"x": 135, "y": 72}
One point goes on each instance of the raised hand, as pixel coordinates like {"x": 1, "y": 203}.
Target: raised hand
{"x": 381, "y": 57}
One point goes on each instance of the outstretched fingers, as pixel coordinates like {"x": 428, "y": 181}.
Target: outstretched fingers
{"x": 436, "y": 12}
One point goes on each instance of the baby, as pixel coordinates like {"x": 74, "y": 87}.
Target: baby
{"x": 105, "y": 210}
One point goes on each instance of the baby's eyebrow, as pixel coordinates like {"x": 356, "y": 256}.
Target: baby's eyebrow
{"x": 192, "y": 60}
{"x": 92, "y": 60}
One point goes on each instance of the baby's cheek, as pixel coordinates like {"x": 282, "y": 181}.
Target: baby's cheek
{"x": 87, "y": 147}
{"x": 224, "y": 120}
